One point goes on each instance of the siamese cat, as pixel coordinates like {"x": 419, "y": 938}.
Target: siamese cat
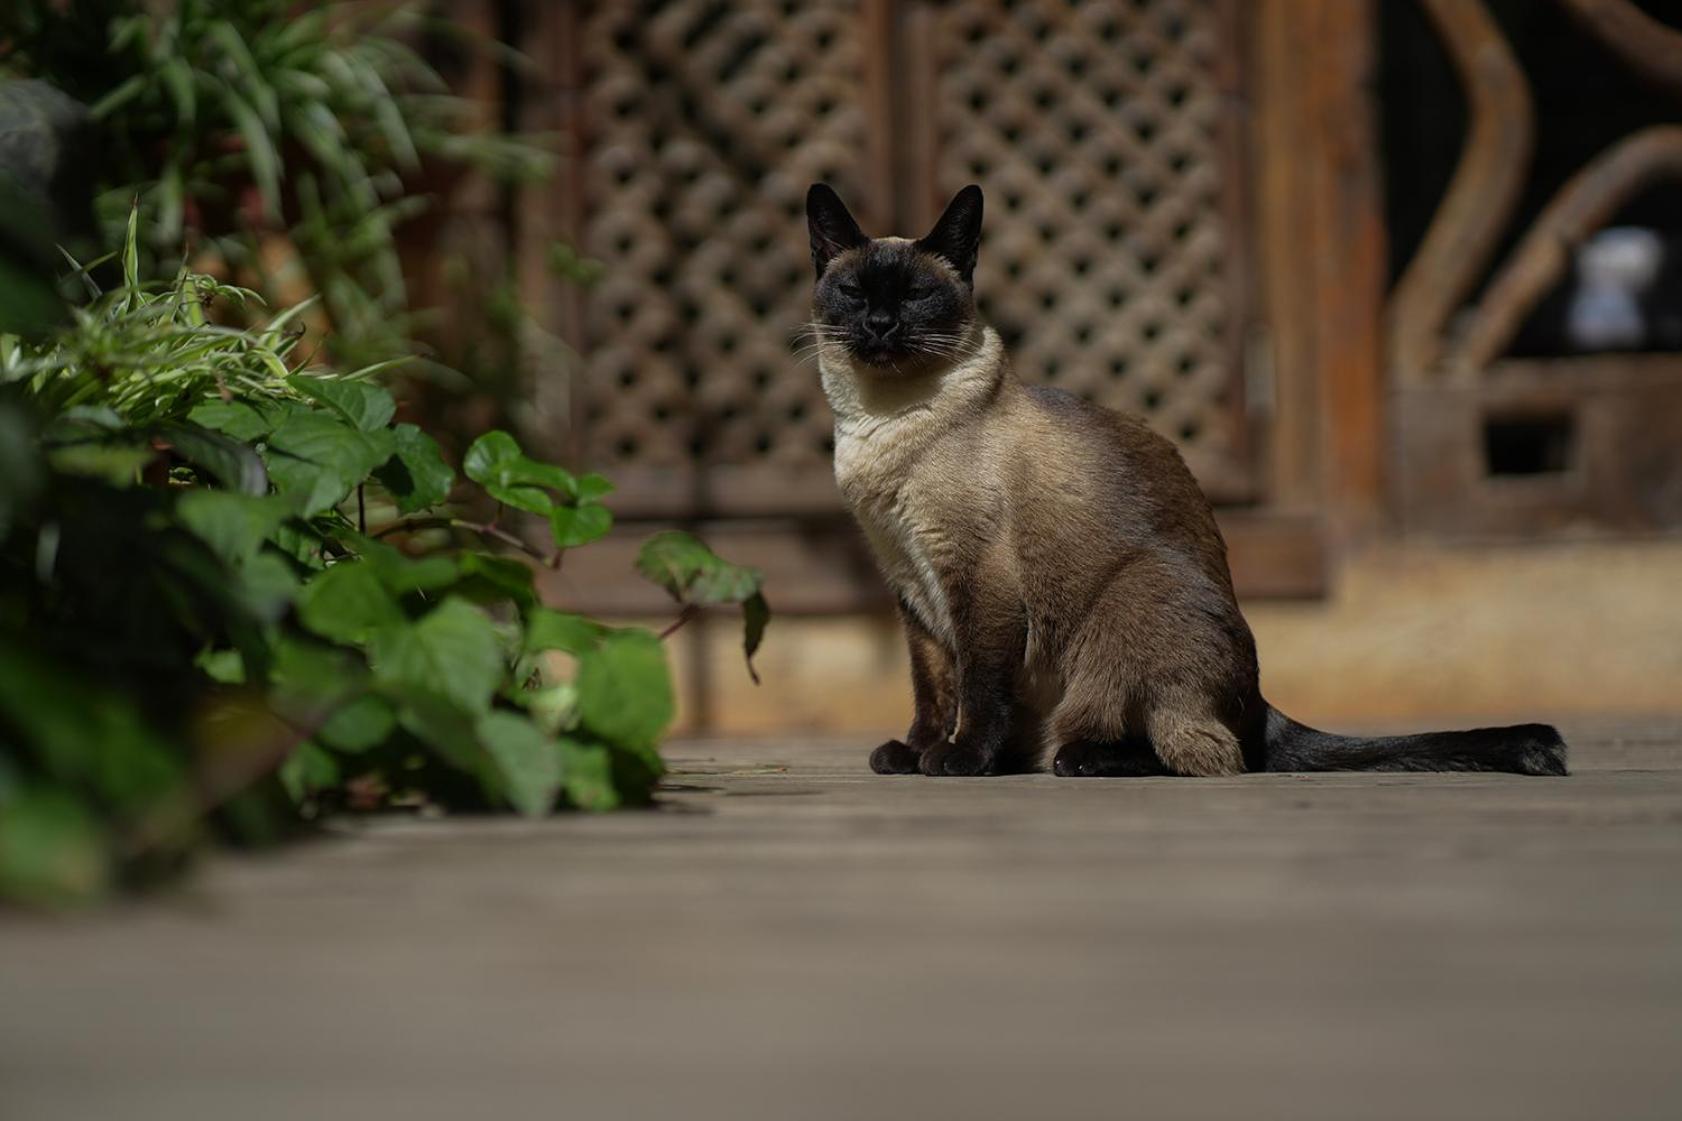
{"x": 1063, "y": 586}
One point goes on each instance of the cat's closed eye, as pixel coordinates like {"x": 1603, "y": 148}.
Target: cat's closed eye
{"x": 920, "y": 292}
{"x": 850, "y": 290}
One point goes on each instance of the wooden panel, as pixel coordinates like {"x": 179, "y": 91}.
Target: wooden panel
{"x": 1619, "y": 420}
{"x": 821, "y": 565}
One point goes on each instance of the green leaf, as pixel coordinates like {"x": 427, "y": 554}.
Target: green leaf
{"x": 230, "y": 461}
{"x": 260, "y": 151}
{"x": 547, "y": 629}
{"x": 363, "y": 723}
{"x": 416, "y": 475}
{"x": 52, "y": 851}
{"x": 694, "y": 574}
{"x": 529, "y": 760}
{"x": 242, "y": 421}
{"x": 348, "y": 603}
{"x": 451, "y": 735}
{"x": 317, "y": 460}
{"x": 86, "y": 733}
{"x": 310, "y": 679}
{"x": 490, "y": 579}
{"x": 233, "y": 525}
{"x": 268, "y": 586}
{"x": 401, "y": 573}
{"x": 308, "y": 769}
{"x": 225, "y": 667}
{"x": 367, "y": 406}
{"x": 489, "y": 455}
{"x": 573, "y": 526}
{"x": 756, "y": 613}
{"x": 117, "y": 464}
{"x": 554, "y": 708}
{"x": 587, "y": 775}
{"x": 624, "y": 688}
{"x": 495, "y": 462}
{"x": 593, "y": 488}
{"x": 452, "y": 652}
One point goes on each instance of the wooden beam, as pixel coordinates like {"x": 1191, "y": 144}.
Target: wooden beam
{"x": 1651, "y": 48}
{"x": 820, "y": 566}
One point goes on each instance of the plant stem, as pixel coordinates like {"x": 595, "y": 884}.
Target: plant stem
{"x": 361, "y": 511}
{"x": 689, "y": 612}
{"x": 500, "y": 534}
{"x": 486, "y": 529}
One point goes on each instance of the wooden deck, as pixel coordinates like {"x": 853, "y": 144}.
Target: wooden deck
{"x": 793, "y": 938}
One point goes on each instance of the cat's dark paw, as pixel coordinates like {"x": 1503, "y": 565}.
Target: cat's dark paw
{"x": 958, "y": 758}
{"x": 895, "y": 758}
{"x": 1086, "y": 759}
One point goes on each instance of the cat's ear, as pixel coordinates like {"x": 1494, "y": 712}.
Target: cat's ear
{"x": 957, "y": 235}
{"x": 832, "y": 227}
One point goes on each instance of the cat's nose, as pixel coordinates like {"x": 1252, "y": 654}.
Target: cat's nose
{"x": 882, "y": 324}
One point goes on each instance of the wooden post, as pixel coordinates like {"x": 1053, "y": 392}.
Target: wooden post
{"x": 1322, "y": 244}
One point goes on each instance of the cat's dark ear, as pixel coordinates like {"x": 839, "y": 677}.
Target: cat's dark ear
{"x": 832, "y": 227}
{"x": 957, "y": 235}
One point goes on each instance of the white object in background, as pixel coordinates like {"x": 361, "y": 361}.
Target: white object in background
{"x": 1613, "y": 268}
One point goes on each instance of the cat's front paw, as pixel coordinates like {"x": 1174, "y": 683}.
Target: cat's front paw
{"x": 957, "y": 758}
{"x": 895, "y": 758}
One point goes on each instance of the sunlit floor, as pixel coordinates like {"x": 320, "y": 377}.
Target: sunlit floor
{"x": 794, "y": 938}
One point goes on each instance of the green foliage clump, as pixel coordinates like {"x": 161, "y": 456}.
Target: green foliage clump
{"x": 237, "y": 592}
{"x": 235, "y": 120}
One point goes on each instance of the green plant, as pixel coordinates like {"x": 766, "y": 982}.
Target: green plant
{"x": 239, "y": 123}
{"x": 236, "y": 592}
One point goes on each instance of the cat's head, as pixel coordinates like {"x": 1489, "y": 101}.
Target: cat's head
{"x": 893, "y": 303}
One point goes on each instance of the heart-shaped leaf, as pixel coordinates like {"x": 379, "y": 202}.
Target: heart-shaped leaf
{"x": 234, "y": 525}
{"x": 349, "y": 604}
{"x": 416, "y": 474}
{"x": 624, "y": 688}
{"x": 530, "y": 761}
{"x": 367, "y": 406}
{"x": 453, "y": 652}
{"x": 573, "y": 526}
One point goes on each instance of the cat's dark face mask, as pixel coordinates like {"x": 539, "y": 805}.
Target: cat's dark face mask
{"x": 892, "y": 303}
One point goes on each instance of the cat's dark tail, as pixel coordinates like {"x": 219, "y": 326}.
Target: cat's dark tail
{"x": 1525, "y": 749}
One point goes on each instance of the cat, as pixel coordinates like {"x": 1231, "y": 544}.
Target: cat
{"x": 1062, "y": 583}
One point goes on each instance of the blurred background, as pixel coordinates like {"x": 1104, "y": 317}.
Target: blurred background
{"x": 1401, "y": 278}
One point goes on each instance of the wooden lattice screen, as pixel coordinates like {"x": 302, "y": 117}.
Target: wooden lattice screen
{"x": 706, "y": 122}
{"x": 1102, "y": 133}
